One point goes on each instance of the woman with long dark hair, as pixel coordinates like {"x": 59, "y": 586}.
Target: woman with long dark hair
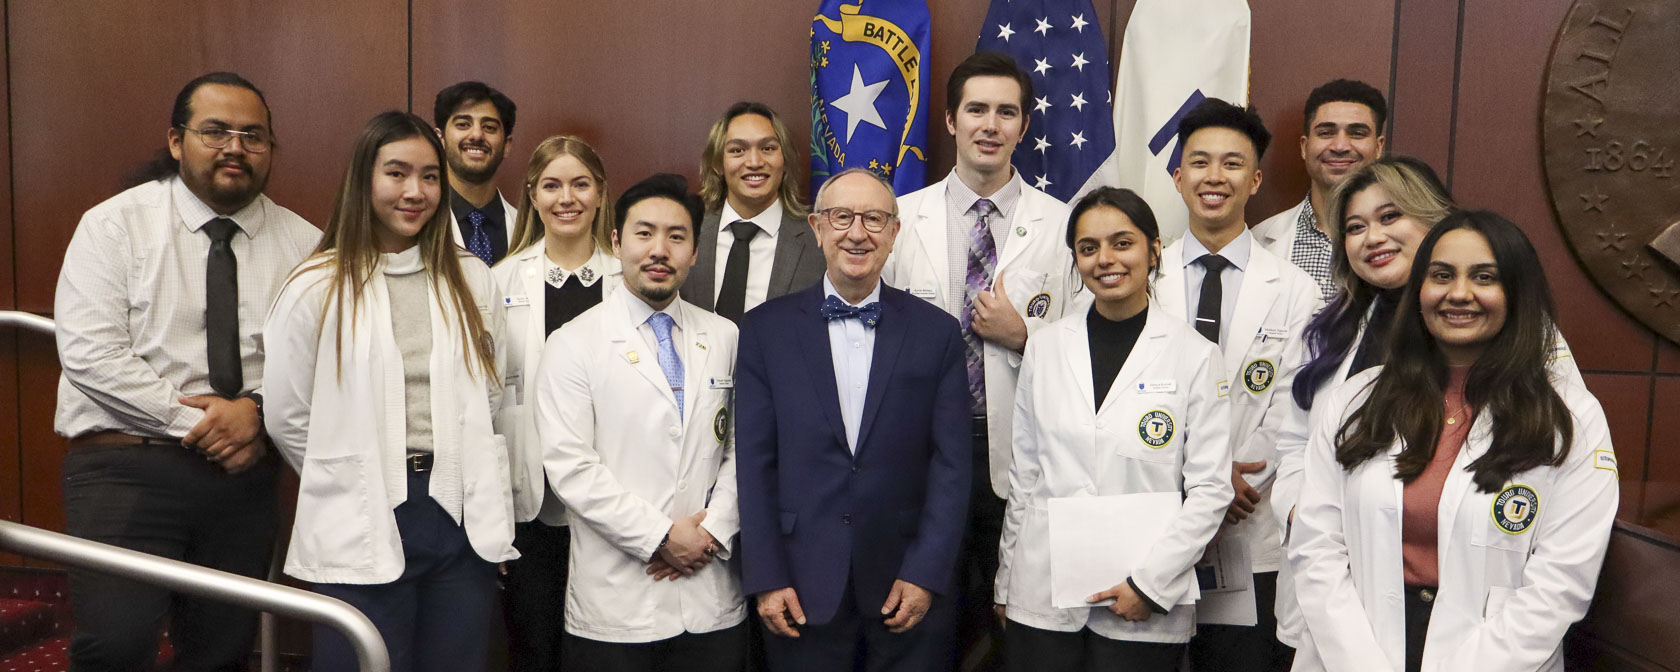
{"x": 380, "y": 382}
{"x": 1457, "y": 501}
{"x": 1123, "y": 399}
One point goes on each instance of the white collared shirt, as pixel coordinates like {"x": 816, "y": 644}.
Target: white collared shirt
{"x": 761, "y": 251}
{"x": 1230, "y": 280}
{"x": 853, "y": 347}
{"x": 959, "y": 221}
{"x": 130, "y": 306}
{"x": 640, "y": 311}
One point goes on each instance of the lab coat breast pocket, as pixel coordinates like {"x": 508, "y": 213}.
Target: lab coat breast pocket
{"x": 1260, "y": 366}
{"x": 715, "y": 407}
{"x": 1150, "y": 427}
{"x": 1028, "y": 294}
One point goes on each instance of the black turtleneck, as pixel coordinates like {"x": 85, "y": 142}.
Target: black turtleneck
{"x": 1111, "y": 343}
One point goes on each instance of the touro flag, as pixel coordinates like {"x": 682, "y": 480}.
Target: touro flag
{"x": 869, "y": 95}
{"x": 1061, "y": 47}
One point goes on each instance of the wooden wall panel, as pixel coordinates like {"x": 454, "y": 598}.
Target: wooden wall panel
{"x": 1661, "y": 505}
{"x": 1497, "y": 165}
{"x": 1628, "y": 433}
{"x": 1421, "y": 93}
{"x": 98, "y": 78}
{"x": 1295, "y": 46}
{"x": 95, "y": 82}
{"x": 11, "y": 500}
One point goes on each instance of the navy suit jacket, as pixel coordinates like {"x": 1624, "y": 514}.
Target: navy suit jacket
{"x": 812, "y": 515}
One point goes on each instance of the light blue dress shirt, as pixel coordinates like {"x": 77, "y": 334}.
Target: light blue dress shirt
{"x": 1230, "y": 280}
{"x": 853, "y": 348}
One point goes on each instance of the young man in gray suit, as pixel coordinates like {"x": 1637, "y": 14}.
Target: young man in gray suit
{"x": 754, "y": 243}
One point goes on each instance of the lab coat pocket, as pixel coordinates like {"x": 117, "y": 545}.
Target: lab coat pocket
{"x": 1510, "y": 519}
{"x": 1149, "y": 427}
{"x": 333, "y": 527}
{"x": 1027, "y": 292}
{"x": 720, "y": 422}
{"x": 1260, "y": 366}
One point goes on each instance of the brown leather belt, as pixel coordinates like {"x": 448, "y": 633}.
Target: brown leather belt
{"x": 111, "y": 437}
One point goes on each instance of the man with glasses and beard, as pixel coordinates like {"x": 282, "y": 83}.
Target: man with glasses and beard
{"x": 160, "y": 308}
{"x": 476, "y": 124}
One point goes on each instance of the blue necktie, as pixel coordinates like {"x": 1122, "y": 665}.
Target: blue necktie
{"x": 668, "y": 360}
{"x": 478, "y": 241}
{"x": 835, "y": 309}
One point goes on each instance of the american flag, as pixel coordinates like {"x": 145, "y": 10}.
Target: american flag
{"x": 1070, "y": 131}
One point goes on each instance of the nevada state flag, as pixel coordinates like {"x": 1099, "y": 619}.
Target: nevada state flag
{"x": 1069, "y": 129}
{"x": 869, "y": 95}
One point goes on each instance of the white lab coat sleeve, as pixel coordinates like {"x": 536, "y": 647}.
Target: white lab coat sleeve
{"x": 1335, "y": 616}
{"x": 1291, "y": 461}
{"x": 1563, "y": 564}
{"x": 566, "y": 430}
{"x": 292, "y": 335}
{"x": 1023, "y": 471}
{"x": 1206, "y": 485}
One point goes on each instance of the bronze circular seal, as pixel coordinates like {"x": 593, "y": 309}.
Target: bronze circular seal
{"x": 1611, "y": 136}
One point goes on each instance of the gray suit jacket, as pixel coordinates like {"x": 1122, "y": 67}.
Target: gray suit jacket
{"x": 799, "y": 262}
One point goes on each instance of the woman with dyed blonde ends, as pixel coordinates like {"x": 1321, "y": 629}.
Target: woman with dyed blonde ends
{"x": 560, "y": 265}
{"x": 1121, "y": 399}
{"x": 1458, "y": 499}
{"x": 381, "y": 379}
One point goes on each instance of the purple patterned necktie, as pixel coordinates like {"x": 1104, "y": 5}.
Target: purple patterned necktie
{"x": 478, "y": 240}
{"x": 982, "y": 265}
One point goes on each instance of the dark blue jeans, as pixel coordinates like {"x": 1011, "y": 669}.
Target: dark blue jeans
{"x": 437, "y": 615}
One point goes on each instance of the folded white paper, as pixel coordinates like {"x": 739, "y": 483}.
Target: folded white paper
{"x": 1096, "y": 542}
{"x": 1227, "y": 581}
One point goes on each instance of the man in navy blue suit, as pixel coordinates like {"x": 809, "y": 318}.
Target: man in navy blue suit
{"x": 853, "y": 450}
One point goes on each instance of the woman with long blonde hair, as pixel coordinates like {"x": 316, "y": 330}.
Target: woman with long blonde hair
{"x": 561, "y": 265}
{"x": 380, "y": 382}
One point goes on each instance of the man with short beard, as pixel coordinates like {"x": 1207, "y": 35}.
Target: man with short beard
{"x": 476, "y": 124}
{"x": 160, "y": 308}
{"x": 1342, "y": 133}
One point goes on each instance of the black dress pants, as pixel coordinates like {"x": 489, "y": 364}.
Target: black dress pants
{"x": 534, "y": 596}
{"x": 979, "y": 638}
{"x": 168, "y": 501}
{"x": 717, "y": 651}
{"x": 1029, "y": 649}
{"x": 1233, "y": 648}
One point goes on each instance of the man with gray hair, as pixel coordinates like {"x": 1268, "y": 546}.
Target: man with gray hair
{"x": 854, "y": 459}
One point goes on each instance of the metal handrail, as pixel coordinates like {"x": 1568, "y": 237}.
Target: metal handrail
{"x": 182, "y": 577}
{"x": 203, "y": 582}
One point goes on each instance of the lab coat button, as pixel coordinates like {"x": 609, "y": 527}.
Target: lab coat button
{"x": 1394, "y": 597}
{"x": 675, "y": 431}
{"x": 682, "y": 485}
{"x": 1099, "y": 424}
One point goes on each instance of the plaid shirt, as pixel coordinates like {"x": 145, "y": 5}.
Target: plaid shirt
{"x": 1311, "y": 252}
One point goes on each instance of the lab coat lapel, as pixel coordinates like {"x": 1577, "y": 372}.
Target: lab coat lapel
{"x": 1028, "y": 217}
{"x": 628, "y": 344}
{"x": 1149, "y": 347}
{"x": 1460, "y": 481}
{"x": 1259, "y": 290}
{"x": 930, "y": 232}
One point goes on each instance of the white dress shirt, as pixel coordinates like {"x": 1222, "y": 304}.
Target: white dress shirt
{"x": 1230, "y": 279}
{"x": 959, "y": 221}
{"x": 853, "y": 348}
{"x": 761, "y": 251}
{"x": 130, "y": 306}
{"x": 640, "y": 311}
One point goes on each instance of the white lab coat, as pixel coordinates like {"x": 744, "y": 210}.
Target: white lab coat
{"x": 1277, "y": 233}
{"x": 1065, "y": 448}
{"x": 1504, "y": 599}
{"x": 522, "y": 279}
{"x": 1261, "y": 356}
{"x": 342, "y": 425}
{"x": 509, "y": 215}
{"x": 1286, "y": 489}
{"x": 1037, "y": 270}
{"x": 626, "y": 468}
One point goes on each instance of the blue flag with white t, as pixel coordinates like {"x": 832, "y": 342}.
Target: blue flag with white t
{"x": 869, "y": 95}
{"x": 1070, "y": 130}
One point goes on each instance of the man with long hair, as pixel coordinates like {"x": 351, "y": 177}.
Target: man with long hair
{"x": 160, "y": 311}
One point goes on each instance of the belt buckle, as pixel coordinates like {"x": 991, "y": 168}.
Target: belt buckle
{"x": 417, "y": 463}
{"x": 1427, "y": 595}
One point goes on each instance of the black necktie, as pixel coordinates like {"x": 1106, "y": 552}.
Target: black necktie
{"x": 732, "y": 299}
{"x": 1208, "y": 307}
{"x": 221, "y": 309}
